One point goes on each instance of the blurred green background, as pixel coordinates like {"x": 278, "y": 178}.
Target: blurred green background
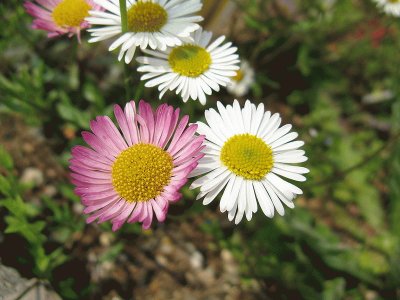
{"x": 332, "y": 68}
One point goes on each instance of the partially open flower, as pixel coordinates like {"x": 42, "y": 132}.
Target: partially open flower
{"x": 60, "y": 17}
{"x": 242, "y": 81}
{"x": 128, "y": 175}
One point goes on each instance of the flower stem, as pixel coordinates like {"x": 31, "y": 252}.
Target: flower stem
{"x": 124, "y": 28}
{"x": 127, "y": 81}
{"x": 124, "y": 16}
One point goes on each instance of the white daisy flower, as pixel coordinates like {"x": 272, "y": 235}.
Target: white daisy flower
{"x": 390, "y": 7}
{"x": 247, "y": 153}
{"x": 242, "y": 81}
{"x": 153, "y": 23}
{"x": 193, "y": 69}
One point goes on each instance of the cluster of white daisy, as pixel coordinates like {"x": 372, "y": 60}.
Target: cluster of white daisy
{"x": 138, "y": 168}
{"x": 180, "y": 56}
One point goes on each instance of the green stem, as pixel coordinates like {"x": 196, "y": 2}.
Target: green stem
{"x": 127, "y": 82}
{"x": 124, "y": 16}
{"x": 124, "y": 28}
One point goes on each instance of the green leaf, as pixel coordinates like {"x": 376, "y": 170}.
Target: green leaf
{"x": 394, "y": 189}
{"x": 72, "y": 114}
{"x": 17, "y": 207}
{"x": 68, "y": 192}
{"x": 112, "y": 253}
{"x": 6, "y": 160}
{"x": 334, "y": 289}
{"x": 304, "y": 60}
{"x": 42, "y": 261}
{"x": 5, "y": 186}
{"x": 93, "y": 95}
{"x": 57, "y": 257}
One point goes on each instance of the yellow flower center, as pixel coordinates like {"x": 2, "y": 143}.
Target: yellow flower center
{"x": 247, "y": 156}
{"x": 146, "y": 17}
{"x": 140, "y": 172}
{"x": 239, "y": 76}
{"x": 189, "y": 60}
{"x": 71, "y": 13}
{"x": 394, "y": 1}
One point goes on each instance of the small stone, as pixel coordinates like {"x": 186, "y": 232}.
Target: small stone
{"x": 196, "y": 260}
{"x": 28, "y": 148}
{"x": 106, "y": 239}
{"x": 77, "y": 208}
{"x": 50, "y": 190}
{"x": 92, "y": 257}
{"x": 51, "y": 173}
{"x": 166, "y": 245}
{"x": 313, "y": 132}
{"x": 371, "y": 295}
{"x": 162, "y": 260}
{"x": 32, "y": 176}
{"x": 227, "y": 256}
{"x": 207, "y": 276}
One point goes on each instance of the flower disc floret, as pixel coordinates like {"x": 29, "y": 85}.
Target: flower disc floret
{"x": 146, "y": 17}
{"x": 70, "y": 13}
{"x": 247, "y": 156}
{"x": 189, "y": 60}
{"x": 239, "y": 76}
{"x": 141, "y": 172}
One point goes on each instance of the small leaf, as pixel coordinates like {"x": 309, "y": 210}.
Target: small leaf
{"x": 334, "y": 289}
{"x": 5, "y": 186}
{"x": 5, "y": 159}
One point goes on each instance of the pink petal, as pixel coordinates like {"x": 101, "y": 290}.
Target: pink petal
{"x": 113, "y": 133}
{"x": 108, "y": 204}
{"x": 159, "y": 211}
{"x": 99, "y": 146}
{"x": 146, "y": 112}
{"x": 102, "y": 134}
{"x": 123, "y": 124}
{"x": 82, "y": 152}
{"x": 179, "y": 130}
{"x": 90, "y": 180}
{"x": 160, "y": 126}
{"x": 137, "y": 212}
{"x": 130, "y": 114}
{"x": 172, "y": 126}
{"x": 149, "y": 218}
{"x": 186, "y": 138}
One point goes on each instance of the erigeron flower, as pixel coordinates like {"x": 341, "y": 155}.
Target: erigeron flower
{"x": 242, "y": 81}
{"x": 131, "y": 172}
{"x": 150, "y": 23}
{"x": 193, "y": 69}
{"x": 60, "y": 17}
{"x": 246, "y": 154}
{"x": 390, "y": 7}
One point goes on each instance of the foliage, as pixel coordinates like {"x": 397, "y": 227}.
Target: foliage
{"x": 324, "y": 65}
{"x": 21, "y": 220}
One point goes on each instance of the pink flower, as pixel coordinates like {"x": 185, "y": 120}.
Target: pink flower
{"x": 128, "y": 175}
{"x": 61, "y": 16}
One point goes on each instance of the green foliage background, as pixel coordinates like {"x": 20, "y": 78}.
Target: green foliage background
{"x": 315, "y": 63}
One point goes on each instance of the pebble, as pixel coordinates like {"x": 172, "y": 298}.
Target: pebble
{"x": 50, "y": 190}
{"x": 106, "y": 238}
{"x": 197, "y": 260}
{"x": 32, "y": 176}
